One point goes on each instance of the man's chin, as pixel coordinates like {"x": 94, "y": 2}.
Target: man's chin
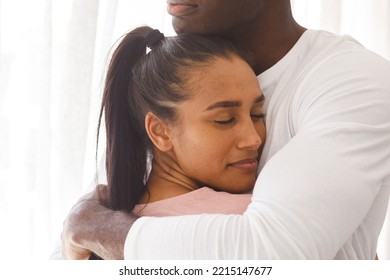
{"x": 179, "y": 26}
{"x": 182, "y": 26}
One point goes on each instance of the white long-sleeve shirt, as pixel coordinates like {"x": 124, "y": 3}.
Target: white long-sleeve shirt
{"x": 324, "y": 184}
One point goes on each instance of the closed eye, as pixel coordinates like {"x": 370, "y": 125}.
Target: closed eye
{"x": 257, "y": 117}
{"x": 226, "y": 122}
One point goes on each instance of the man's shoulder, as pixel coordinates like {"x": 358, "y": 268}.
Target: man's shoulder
{"x": 331, "y": 57}
{"x": 332, "y": 46}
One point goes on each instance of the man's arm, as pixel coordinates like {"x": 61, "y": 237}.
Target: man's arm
{"x": 309, "y": 199}
{"x": 312, "y": 195}
{"x": 91, "y": 227}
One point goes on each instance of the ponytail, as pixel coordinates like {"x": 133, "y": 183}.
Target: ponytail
{"x": 127, "y": 141}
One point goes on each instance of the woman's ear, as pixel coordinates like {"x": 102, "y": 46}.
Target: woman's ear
{"x": 158, "y": 131}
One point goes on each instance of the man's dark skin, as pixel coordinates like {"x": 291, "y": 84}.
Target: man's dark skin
{"x": 265, "y": 28}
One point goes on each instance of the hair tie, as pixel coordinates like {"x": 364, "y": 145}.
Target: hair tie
{"x": 153, "y": 38}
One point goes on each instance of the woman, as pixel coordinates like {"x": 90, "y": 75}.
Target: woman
{"x": 193, "y": 106}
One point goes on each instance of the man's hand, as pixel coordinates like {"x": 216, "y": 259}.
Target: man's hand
{"x": 92, "y": 227}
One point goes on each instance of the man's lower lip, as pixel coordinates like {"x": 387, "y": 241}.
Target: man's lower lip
{"x": 178, "y": 10}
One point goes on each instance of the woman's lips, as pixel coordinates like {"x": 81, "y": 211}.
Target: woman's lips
{"x": 249, "y": 164}
{"x": 178, "y": 9}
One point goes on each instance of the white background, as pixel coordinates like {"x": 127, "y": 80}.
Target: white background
{"x": 52, "y": 59}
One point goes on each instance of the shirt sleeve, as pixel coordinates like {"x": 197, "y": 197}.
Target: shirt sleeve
{"x": 312, "y": 194}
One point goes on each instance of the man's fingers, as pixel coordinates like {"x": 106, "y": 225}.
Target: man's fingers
{"x": 102, "y": 191}
{"x": 75, "y": 253}
{"x": 71, "y": 250}
{"x": 74, "y": 227}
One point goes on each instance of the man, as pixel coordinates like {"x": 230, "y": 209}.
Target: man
{"x": 324, "y": 185}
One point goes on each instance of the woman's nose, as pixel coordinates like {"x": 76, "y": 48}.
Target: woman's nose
{"x": 249, "y": 138}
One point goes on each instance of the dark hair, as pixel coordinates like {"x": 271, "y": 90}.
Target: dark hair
{"x": 138, "y": 82}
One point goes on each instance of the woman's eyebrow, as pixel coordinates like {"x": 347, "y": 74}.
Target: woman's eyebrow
{"x": 223, "y": 104}
{"x": 229, "y": 104}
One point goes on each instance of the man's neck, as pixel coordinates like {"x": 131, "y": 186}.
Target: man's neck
{"x": 271, "y": 50}
{"x": 269, "y": 41}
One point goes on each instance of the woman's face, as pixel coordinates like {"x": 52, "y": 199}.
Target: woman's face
{"x": 220, "y": 131}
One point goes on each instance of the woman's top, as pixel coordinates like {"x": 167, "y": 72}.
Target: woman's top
{"x": 200, "y": 201}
